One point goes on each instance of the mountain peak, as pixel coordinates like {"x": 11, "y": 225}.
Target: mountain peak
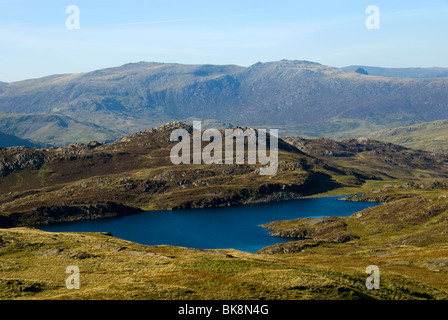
{"x": 298, "y": 94}
{"x": 286, "y": 63}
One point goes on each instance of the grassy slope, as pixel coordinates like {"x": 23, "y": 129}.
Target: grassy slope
{"x": 429, "y": 136}
{"x": 7, "y": 140}
{"x": 409, "y": 234}
{"x": 385, "y": 160}
{"x": 337, "y": 129}
{"x": 55, "y": 129}
{"x": 111, "y": 268}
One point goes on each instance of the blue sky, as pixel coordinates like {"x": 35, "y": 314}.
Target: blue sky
{"x": 35, "y": 42}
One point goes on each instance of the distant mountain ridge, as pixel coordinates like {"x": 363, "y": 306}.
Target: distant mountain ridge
{"x": 417, "y": 73}
{"x": 53, "y": 128}
{"x": 7, "y": 140}
{"x": 294, "y": 96}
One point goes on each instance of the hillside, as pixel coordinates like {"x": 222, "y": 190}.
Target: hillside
{"x": 55, "y": 129}
{"x": 429, "y": 136}
{"x": 7, "y": 140}
{"x": 381, "y": 159}
{"x": 299, "y": 97}
{"x": 326, "y": 258}
{"x": 406, "y": 238}
{"x": 135, "y": 173}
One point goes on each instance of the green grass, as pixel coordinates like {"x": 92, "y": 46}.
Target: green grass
{"x": 118, "y": 269}
{"x": 55, "y": 129}
{"x": 336, "y": 129}
{"x": 429, "y": 136}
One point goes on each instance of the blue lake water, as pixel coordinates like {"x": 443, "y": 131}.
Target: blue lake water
{"x": 217, "y": 228}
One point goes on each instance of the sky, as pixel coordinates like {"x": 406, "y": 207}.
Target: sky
{"x": 35, "y": 40}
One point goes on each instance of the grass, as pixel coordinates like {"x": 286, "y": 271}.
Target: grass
{"x": 406, "y": 238}
{"x": 55, "y": 129}
{"x": 429, "y": 136}
{"x": 118, "y": 269}
{"x": 336, "y": 129}
{"x": 368, "y": 186}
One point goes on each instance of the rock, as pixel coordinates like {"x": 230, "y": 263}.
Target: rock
{"x": 106, "y": 234}
{"x": 399, "y": 263}
{"x": 93, "y": 144}
{"x": 79, "y": 255}
{"x": 88, "y": 211}
{"x": 30, "y": 288}
{"x": 118, "y": 249}
{"x": 437, "y": 264}
{"x": 145, "y": 254}
{"x": 289, "y": 247}
{"x": 345, "y": 238}
{"x": 52, "y": 252}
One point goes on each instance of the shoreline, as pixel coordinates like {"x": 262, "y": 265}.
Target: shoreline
{"x": 103, "y": 210}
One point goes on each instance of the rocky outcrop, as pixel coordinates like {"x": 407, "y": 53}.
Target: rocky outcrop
{"x": 19, "y": 158}
{"x": 307, "y": 233}
{"x": 289, "y": 247}
{"x": 51, "y": 214}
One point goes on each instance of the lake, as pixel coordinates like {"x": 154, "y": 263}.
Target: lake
{"x": 216, "y": 228}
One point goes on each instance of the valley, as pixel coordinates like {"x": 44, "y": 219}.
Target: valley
{"x": 324, "y": 259}
{"x": 95, "y": 146}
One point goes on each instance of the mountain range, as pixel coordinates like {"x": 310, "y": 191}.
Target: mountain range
{"x": 298, "y": 97}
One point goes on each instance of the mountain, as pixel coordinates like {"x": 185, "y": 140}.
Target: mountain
{"x": 130, "y": 98}
{"x": 3, "y": 86}
{"x": 417, "y": 73}
{"x": 429, "y": 136}
{"x": 7, "y": 140}
{"x": 298, "y": 97}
